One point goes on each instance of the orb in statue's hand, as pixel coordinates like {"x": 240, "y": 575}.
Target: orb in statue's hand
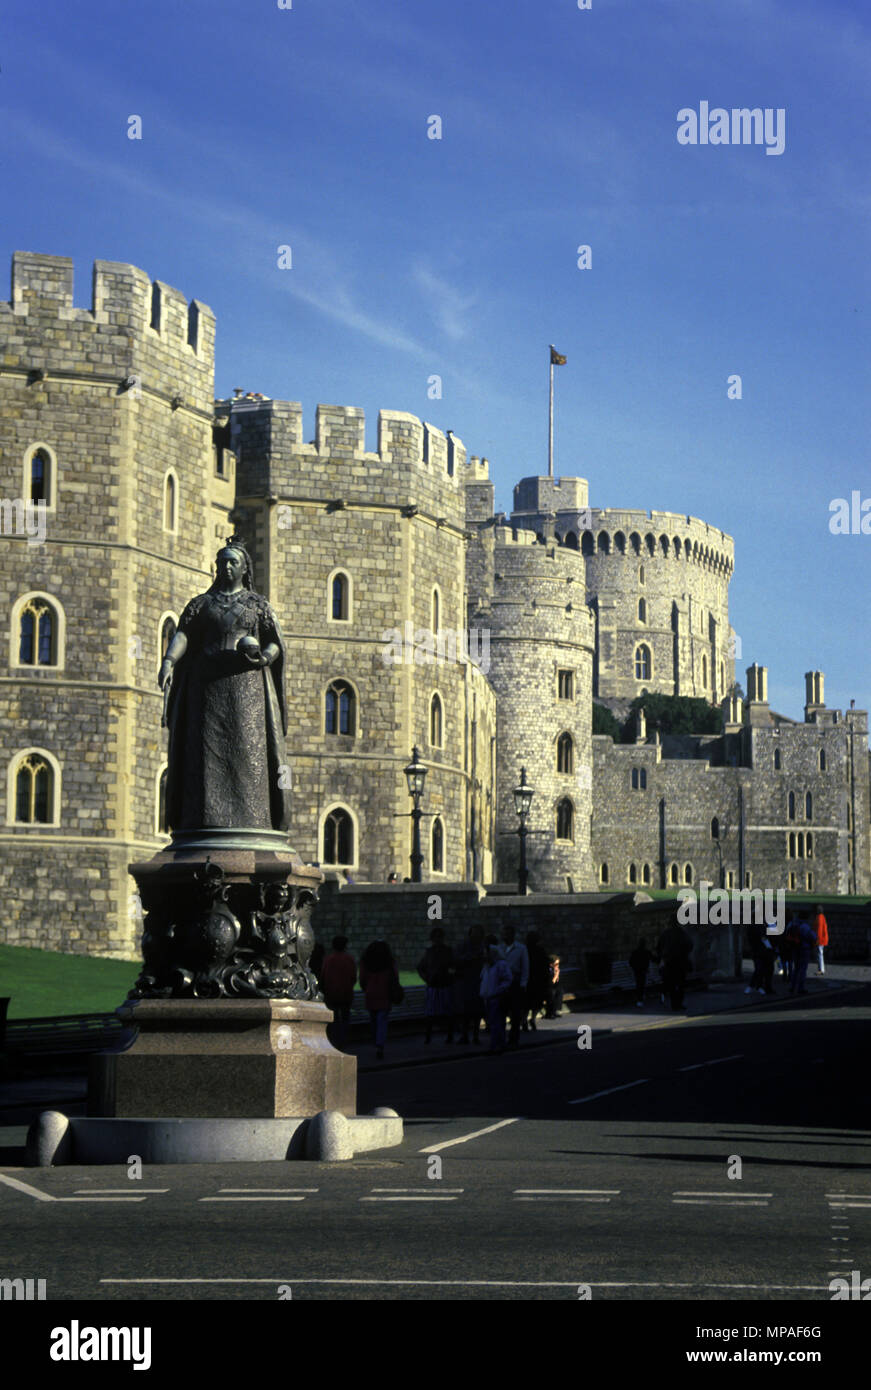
{"x": 249, "y": 647}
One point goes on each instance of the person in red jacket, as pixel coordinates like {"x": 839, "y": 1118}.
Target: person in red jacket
{"x": 821, "y": 927}
{"x": 338, "y": 977}
{"x": 379, "y": 981}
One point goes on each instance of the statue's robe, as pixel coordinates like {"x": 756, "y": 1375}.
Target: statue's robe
{"x": 227, "y": 720}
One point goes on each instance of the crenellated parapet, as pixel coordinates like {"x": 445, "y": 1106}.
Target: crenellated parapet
{"x": 137, "y": 331}
{"x": 416, "y": 465}
{"x": 665, "y": 535}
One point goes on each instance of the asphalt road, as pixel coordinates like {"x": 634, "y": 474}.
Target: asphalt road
{"x": 542, "y": 1174}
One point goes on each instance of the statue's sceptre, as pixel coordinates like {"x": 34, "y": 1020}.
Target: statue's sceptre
{"x": 167, "y": 684}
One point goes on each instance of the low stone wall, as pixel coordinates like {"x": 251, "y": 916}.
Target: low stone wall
{"x": 589, "y": 930}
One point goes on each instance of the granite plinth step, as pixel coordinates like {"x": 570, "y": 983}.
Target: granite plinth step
{"x": 54, "y": 1138}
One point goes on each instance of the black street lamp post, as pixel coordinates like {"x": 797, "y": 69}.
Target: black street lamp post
{"x": 415, "y": 774}
{"x": 522, "y": 803}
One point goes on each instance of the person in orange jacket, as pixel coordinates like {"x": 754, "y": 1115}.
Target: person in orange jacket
{"x": 821, "y": 927}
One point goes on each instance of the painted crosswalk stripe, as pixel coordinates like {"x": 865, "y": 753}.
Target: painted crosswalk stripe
{"x": 688, "y": 1192}
{"x": 464, "y": 1139}
{"x": 610, "y": 1092}
{"x": 715, "y": 1061}
{"x": 26, "y": 1188}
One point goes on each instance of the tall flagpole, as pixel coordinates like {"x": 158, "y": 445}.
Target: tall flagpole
{"x": 550, "y": 421}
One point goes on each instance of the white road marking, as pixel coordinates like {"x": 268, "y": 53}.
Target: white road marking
{"x": 251, "y": 1199}
{"x": 115, "y": 1191}
{"x": 417, "y": 1189}
{"x": 464, "y": 1139}
{"x": 561, "y": 1199}
{"x": 25, "y": 1187}
{"x": 484, "y": 1283}
{"x": 101, "y": 1199}
{"x": 688, "y": 1192}
{"x": 736, "y": 1057}
{"x": 855, "y": 1206}
{"x": 269, "y": 1189}
{"x": 610, "y": 1092}
{"x": 408, "y": 1199}
{"x": 571, "y": 1191}
{"x": 707, "y": 1202}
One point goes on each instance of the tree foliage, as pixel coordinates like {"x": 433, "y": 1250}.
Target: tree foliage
{"x": 675, "y": 714}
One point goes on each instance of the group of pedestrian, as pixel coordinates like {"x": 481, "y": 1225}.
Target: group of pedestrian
{"x": 673, "y": 952}
{"x": 792, "y": 954}
{"x": 508, "y": 984}
{"x": 379, "y": 981}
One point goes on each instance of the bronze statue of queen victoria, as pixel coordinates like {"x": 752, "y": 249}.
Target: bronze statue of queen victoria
{"x": 226, "y": 708}
{"x": 215, "y": 927}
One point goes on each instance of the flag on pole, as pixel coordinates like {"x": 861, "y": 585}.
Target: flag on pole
{"x": 556, "y": 358}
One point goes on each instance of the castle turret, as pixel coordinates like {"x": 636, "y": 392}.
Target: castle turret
{"x": 541, "y": 655}
{"x": 107, "y": 425}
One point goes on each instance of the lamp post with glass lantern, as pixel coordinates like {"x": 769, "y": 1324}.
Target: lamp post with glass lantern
{"x": 522, "y": 801}
{"x": 415, "y": 774}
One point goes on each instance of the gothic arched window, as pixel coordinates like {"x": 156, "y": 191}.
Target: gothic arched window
{"x": 40, "y": 477}
{"x": 338, "y": 837}
{"x": 642, "y": 663}
{"x": 565, "y": 820}
{"x": 435, "y": 722}
{"x": 170, "y": 502}
{"x": 565, "y": 754}
{"x": 34, "y": 791}
{"x": 340, "y": 598}
{"x": 437, "y": 858}
{"x": 340, "y": 709}
{"x": 37, "y": 633}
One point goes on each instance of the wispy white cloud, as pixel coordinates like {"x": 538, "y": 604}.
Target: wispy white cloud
{"x": 450, "y": 306}
{"x": 323, "y": 285}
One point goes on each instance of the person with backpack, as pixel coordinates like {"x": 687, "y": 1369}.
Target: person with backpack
{"x": 496, "y": 981}
{"x": 339, "y": 975}
{"x": 379, "y": 981}
{"x": 821, "y": 929}
{"x": 789, "y": 949}
{"x": 435, "y": 968}
{"x": 807, "y": 942}
{"x": 763, "y": 959}
{"x": 554, "y": 998}
{"x": 675, "y": 949}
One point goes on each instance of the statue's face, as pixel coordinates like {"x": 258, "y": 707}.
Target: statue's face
{"x": 231, "y": 565}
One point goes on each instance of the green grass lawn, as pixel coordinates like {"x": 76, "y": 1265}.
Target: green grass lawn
{"x": 45, "y": 984}
{"x": 48, "y": 984}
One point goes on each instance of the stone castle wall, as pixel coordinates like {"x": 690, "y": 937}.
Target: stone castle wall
{"x": 393, "y": 523}
{"x": 116, "y": 403}
{"x": 659, "y": 822}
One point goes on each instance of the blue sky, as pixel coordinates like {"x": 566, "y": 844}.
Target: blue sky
{"x": 308, "y": 127}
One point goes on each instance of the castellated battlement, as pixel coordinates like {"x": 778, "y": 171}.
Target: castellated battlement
{"x": 667, "y": 534}
{"x": 135, "y": 327}
{"x": 538, "y": 590}
{"x": 416, "y": 464}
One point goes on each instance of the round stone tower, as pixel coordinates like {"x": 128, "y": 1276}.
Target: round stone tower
{"x": 541, "y": 668}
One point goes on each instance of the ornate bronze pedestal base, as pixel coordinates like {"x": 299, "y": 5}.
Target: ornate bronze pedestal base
{"x": 227, "y": 916}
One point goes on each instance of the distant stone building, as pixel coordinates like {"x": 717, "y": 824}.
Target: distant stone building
{"x": 412, "y": 614}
